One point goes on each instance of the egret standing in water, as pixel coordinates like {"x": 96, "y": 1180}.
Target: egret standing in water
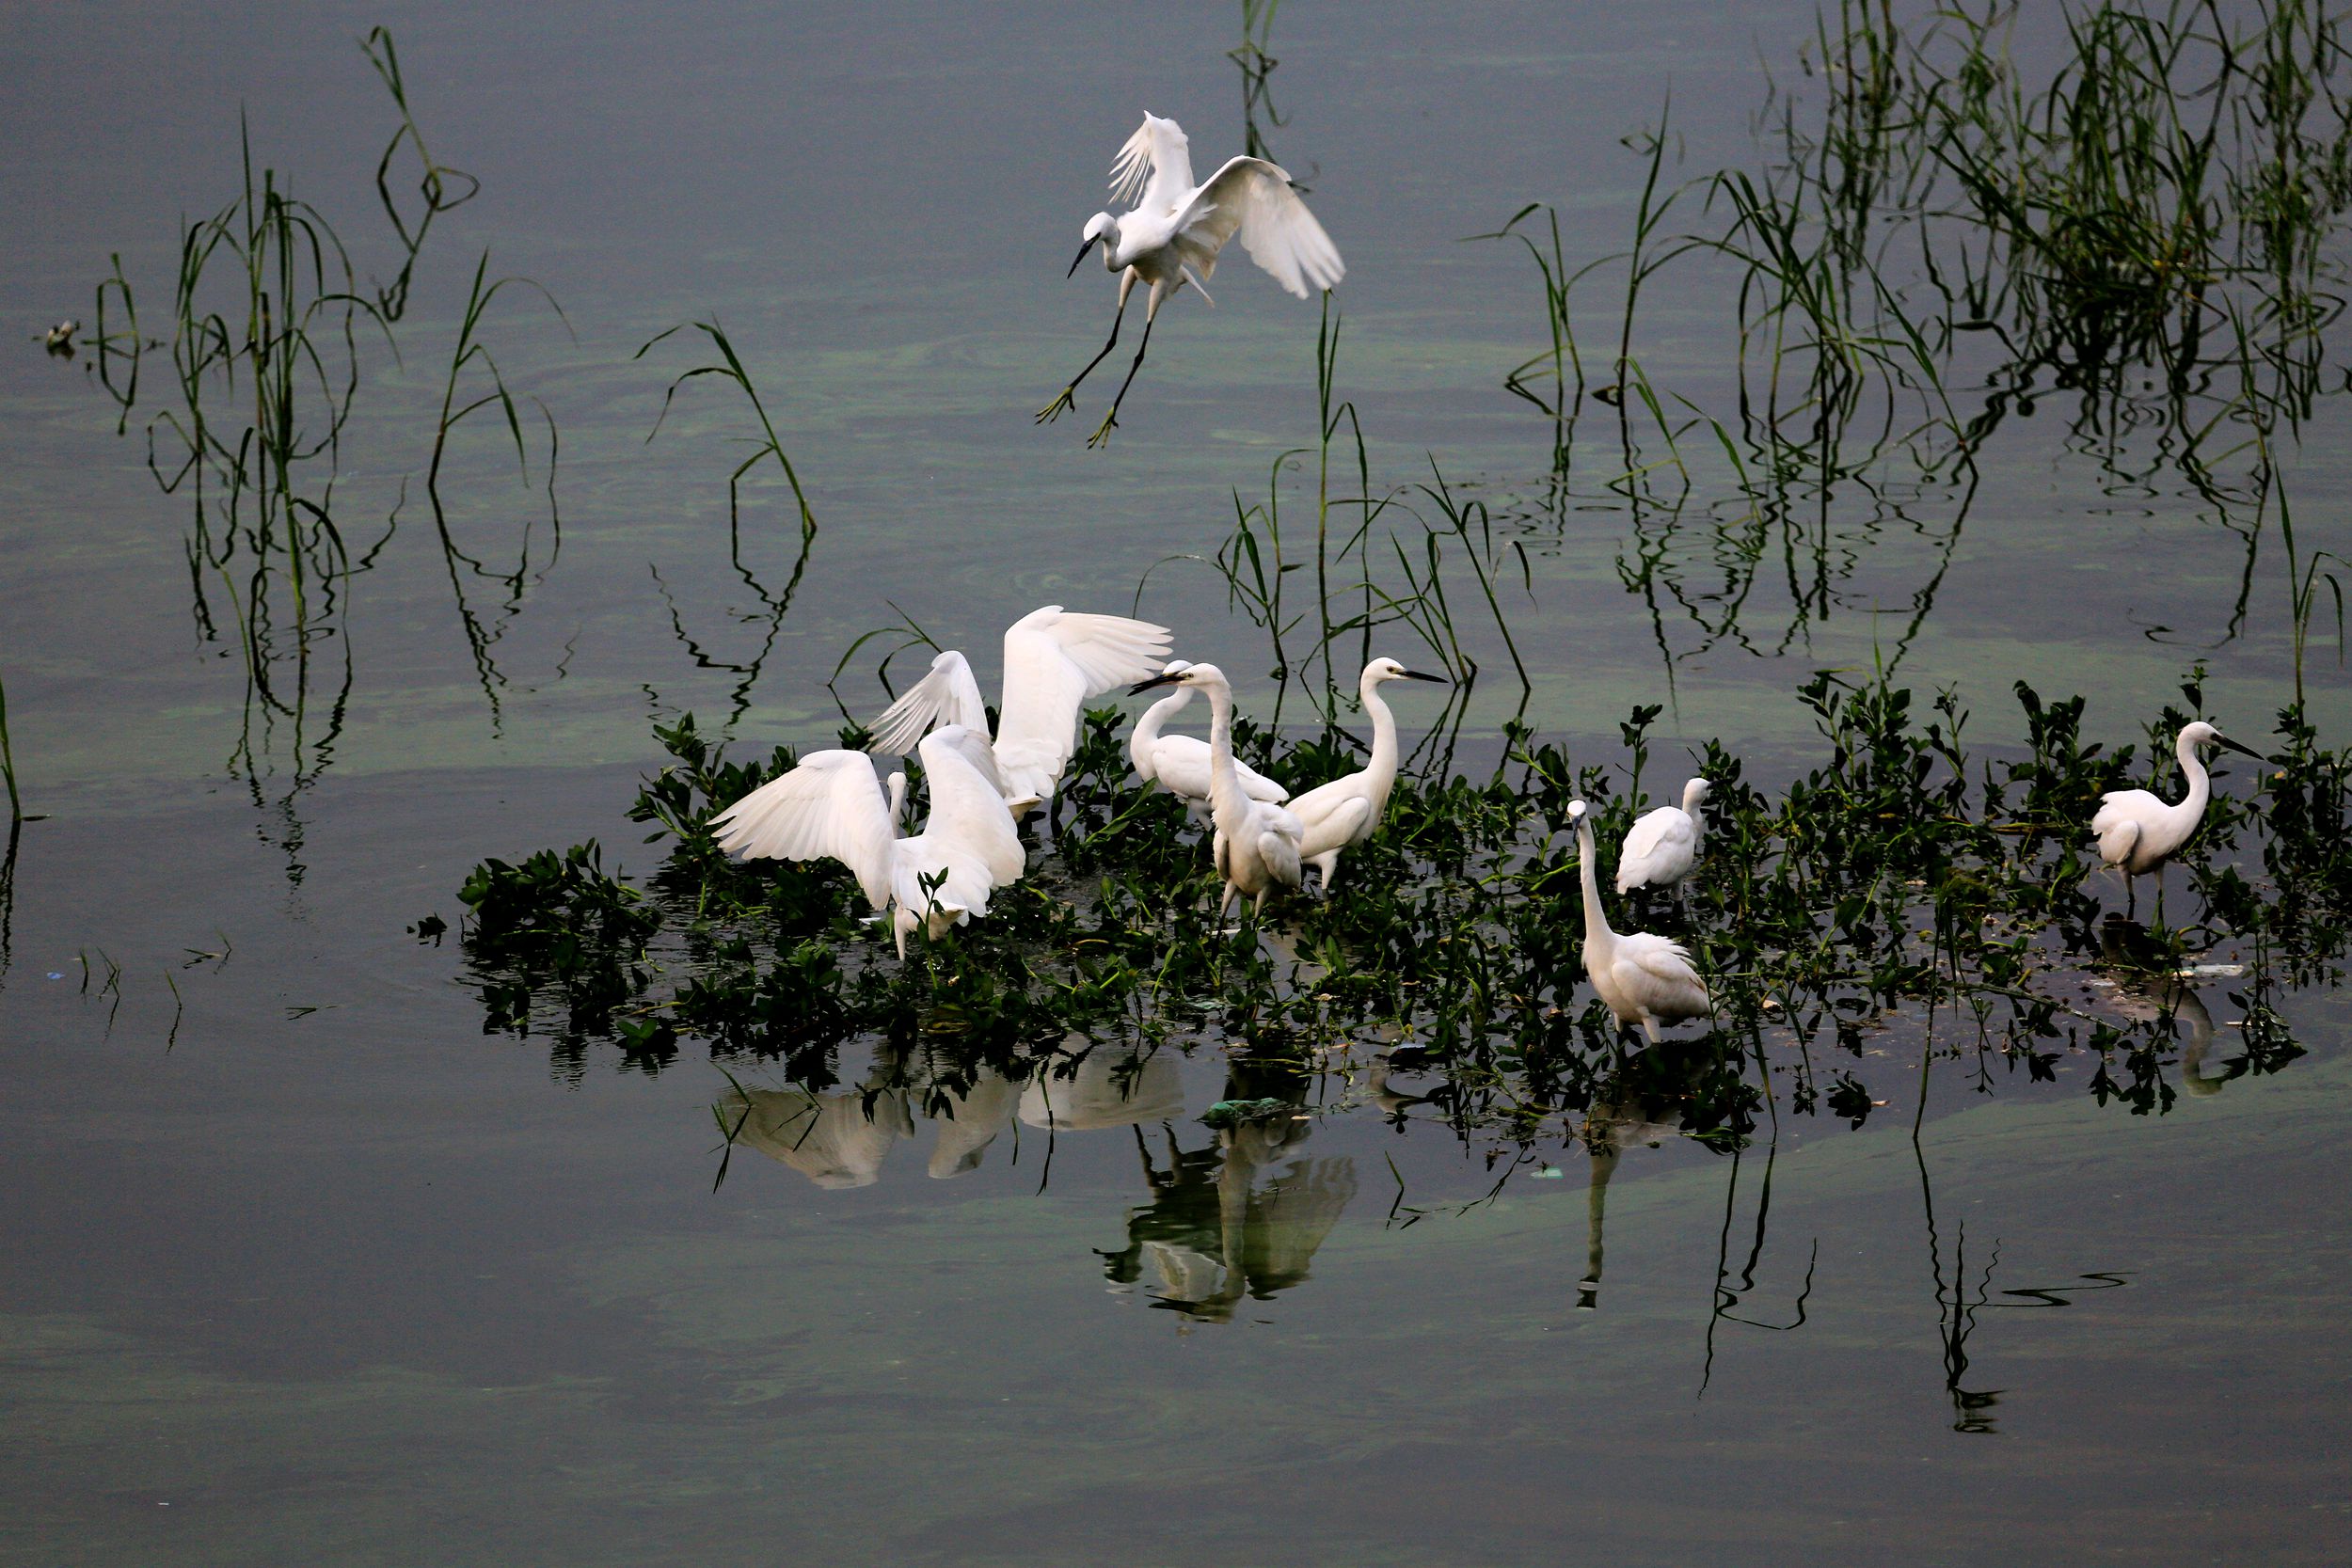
{"x": 2137, "y": 833}
{"x": 1663, "y": 846}
{"x": 1180, "y": 763}
{"x": 1055, "y": 662}
{"x": 834, "y": 807}
{"x": 1645, "y": 980}
{"x": 1347, "y": 811}
{"x": 1257, "y": 841}
{"x": 1176, "y": 229}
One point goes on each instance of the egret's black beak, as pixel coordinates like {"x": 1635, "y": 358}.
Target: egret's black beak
{"x": 2229, "y": 745}
{"x": 1141, "y": 687}
{"x": 1082, "y": 255}
{"x": 1417, "y": 675}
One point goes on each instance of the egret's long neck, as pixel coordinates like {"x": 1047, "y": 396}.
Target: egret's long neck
{"x": 1598, "y": 938}
{"x": 1691, "y": 797}
{"x": 2200, "y": 781}
{"x": 1225, "y": 791}
{"x": 1380, "y": 773}
{"x": 1147, "y": 733}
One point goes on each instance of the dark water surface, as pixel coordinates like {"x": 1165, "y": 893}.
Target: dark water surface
{"x": 300, "y": 1265}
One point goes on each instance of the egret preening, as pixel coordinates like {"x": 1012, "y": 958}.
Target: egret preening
{"x": 1663, "y": 845}
{"x": 834, "y": 807}
{"x": 2137, "y": 833}
{"x": 1055, "y": 662}
{"x": 1257, "y": 841}
{"x": 1180, "y": 763}
{"x": 1644, "y": 978}
{"x": 1348, "y": 809}
{"x": 1172, "y": 235}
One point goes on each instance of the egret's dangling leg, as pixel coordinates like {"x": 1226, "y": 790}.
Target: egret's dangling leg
{"x": 1151, "y": 314}
{"x": 1069, "y": 397}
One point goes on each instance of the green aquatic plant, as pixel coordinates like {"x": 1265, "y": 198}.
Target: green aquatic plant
{"x": 1902, "y": 889}
{"x": 776, "y": 603}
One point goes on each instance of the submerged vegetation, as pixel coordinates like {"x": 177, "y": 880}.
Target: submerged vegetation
{"x": 1903, "y": 899}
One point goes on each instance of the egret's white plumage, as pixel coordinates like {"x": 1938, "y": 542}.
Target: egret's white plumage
{"x": 1644, "y": 978}
{"x": 1347, "y": 809}
{"x": 2137, "y": 831}
{"x": 1661, "y": 848}
{"x": 833, "y": 806}
{"x": 1257, "y": 841}
{"x": 1180, "y": 763}
{"x": 1055, "y": 663}
{"x": 1175, "y": 230}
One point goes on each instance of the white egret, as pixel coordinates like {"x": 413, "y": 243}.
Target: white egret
{"x": 1180, "y": 763}
{"x": 834, "y": 807}
{"x": 1644, "y": 978}
{"x": 1257, "y": 841}
{"x": 1347, "y": 811}
{"x": 2137, "y": 833}
{"x": 1172, "y": 236}
{"x": 1661, "y": 847}
{"x": 1055, "y": 662}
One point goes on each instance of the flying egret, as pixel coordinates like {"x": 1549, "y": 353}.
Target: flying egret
{"x": 1644, "y": 978}
{"x": 1180, "y": 763}
{"x": 1055, "y": 662}
{"x": 1347, "y": 809}
{"x": 1663, "y": 845}
{"x": 1257, "y": 841}
{"x": 834, "y": 807}
{"x": 2137, "y": 833}
{"x": 1175, "y": 230}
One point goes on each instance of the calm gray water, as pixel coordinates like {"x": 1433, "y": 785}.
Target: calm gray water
{"x": 300, "y": 1265}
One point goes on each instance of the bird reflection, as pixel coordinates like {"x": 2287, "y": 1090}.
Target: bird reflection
{"x": 1105, "y": 1089}
{"x": 967, "y": 1117}
{"x": 835, "y": 1140}
{"x": 2158, "y": 995}
{"x": 1212, "y": 1234}
{"x": 1608, "y": 1131}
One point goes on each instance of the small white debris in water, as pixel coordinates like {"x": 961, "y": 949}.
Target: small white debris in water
{"x": 1550, "y": 1173}
{"x": 2200, "y": 971}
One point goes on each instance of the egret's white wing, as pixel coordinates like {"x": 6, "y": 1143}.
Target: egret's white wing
{"x": 968, "y": 811}
{"x": 1350, "y": 821}
{"x": 1253, "y": 198}
{"x": 2118, "y": 824}
{"x": 1181, "y": 763}
{"x": 1154, "y": 171}
{"x": 1325, "y": 800}
{"x": 830, "y": 807}
{"x": 948, "y": 695}
{"x": 1054, "y": 662}
{"x": 1657, "y": 849}
{"x": 1278, "y": 844}
{"x": 1658, "y": 976}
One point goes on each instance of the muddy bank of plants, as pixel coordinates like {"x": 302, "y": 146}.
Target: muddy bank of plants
{"x": 1902, "y": 895}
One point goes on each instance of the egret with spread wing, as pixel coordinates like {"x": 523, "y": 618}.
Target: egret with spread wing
{"x": 1175, "y": 230}
{"x": 834, "y": 806}
{"x": 1644, "y": 978}
{"x": 1055, "y": 663}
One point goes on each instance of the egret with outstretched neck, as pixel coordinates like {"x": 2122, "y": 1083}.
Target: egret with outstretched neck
{"x": 1663, "y": 846}
{"x": 1179, "y": 764}
{"x": 1175, "y": 230}
{"x": 1347, "y": 811}
{"x": 2137, "y": 831}
{"x": 1257, "y": 841}
{"x": 1644, "y": 978}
